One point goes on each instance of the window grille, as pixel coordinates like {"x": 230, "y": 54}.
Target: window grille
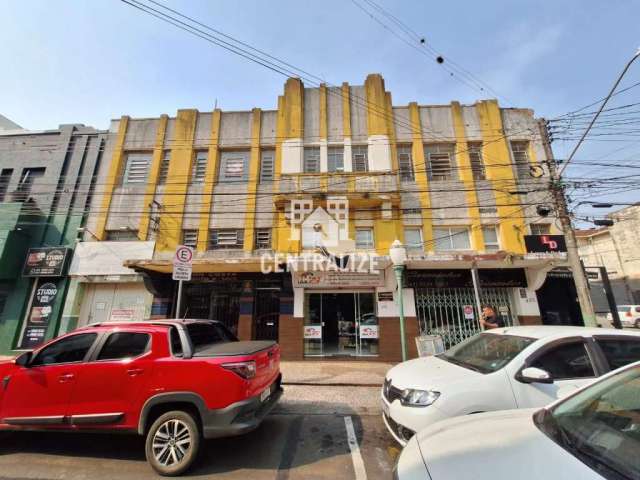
{"x": 267, "y": 158}
{"x": 360, "y": 158}
{"x": 335, "y": 159}
{"x": 405, "y": 162}
{"x": 227, "y": 238}
{"x": 263, "y": 238}
{"x": 199, "y": 167}
{"x": 136, "y": 168}
{"x": 311, "y": 160}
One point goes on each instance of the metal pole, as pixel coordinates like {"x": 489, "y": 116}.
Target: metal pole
{"x": 179, "y": 301}
{"x": 606, "y": 285}
{"x": 403, "y": 342}
{"x": 476, "y": 292}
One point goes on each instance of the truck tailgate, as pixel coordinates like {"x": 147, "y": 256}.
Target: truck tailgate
{"x": 235, "y": 349}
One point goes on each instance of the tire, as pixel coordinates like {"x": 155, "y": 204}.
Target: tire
{"x": 638, "y": 323}
{"x": 172, "y": 443}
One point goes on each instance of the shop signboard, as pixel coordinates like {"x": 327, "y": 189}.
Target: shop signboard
{"x": 45, "y": 262}
{"x": 545, "y": 243}
{"x": 369, "y": 331}
{"x": 39, "y": 315}
{"x": 313, "y": 332}
{"x": 183, "y": 263}
{"x": 336, "y": 279}
{"x": 122, "y": 315}
{"x": 489, "y": 278}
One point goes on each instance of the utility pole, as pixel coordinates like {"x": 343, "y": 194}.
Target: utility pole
{"x": 579, "y": 275}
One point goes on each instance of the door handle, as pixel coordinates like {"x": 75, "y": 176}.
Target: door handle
{"x": 66, "y": 377}
{"x": 132, "y": 372}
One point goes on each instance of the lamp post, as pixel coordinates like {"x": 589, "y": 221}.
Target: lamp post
{"x": 398, "y": 255}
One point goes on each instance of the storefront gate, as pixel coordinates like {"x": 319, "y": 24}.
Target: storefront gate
{"x": 441, "y": 311}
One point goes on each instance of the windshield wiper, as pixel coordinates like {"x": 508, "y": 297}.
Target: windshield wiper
{"x": 463, "y": 364}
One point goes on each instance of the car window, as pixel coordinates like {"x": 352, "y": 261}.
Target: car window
{"x": 124, "y": 345}
{"x": 569, "y": 360}
{"x": 203, "y": 335}
{"x": 176, "y": 343}
{"x": 620, "y": 351}
{"x": 623, "y": 309}
{"x": 67, "y": 350}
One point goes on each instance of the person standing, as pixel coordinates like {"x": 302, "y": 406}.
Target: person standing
{"x": 489, "y": 319}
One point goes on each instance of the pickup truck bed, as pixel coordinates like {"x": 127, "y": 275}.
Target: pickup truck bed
{"x": 234, "y": 349}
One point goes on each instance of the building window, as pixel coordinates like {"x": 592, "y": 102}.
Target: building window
{"x": 540, "y": 228}
{"x": 520, "y": 151}
{"x": 136, "y": 168}
{"x": 360, "y": 158}
{"x": 29, "y": 176}
{"x": 263, "y": 238}
{"x": 364, "y": 238}
{"x": 267, "y": 161}
{"x": 490, "y": 237}
{"x": 451, "y": 238}
{"x": 121, "y": 235}
{"x": 190, "y": 238}
{"x": 405, "y": 162}
{"x": 5, "y": 178}
{"x": 233, "y": 167}
{"x": 475, "y": 158}
{"x": 439, "y": 158}
{"x": 226, "y": 238}
{"x": 164, "y": 167}
{"x": 335, "y": 159}
{"x": 413, "y": 238}
{"x": 199, "y": 167}
{"x": 311, "y": 160}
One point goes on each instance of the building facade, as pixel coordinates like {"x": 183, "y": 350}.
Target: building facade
{"x": 291, "y": 213}
{"x": 46, "y": 184}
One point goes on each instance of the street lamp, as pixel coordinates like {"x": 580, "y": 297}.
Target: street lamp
{"x": 398, "y": 254}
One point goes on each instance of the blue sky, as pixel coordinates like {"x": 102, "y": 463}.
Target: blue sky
{"x": 73, "y": 61}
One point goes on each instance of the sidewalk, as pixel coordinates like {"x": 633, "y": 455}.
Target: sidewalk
{"x": 334, "y": 373}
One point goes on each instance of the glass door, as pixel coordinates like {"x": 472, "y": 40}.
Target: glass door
{"x": 367, "y": 329}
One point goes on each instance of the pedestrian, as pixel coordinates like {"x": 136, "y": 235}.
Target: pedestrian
{"x": 489, "y": 319}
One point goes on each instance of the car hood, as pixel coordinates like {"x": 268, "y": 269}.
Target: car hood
{"x": 497, "y": 446}
{"x": 428, "y": 373}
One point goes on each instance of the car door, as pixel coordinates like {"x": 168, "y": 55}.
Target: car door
{"x": 108, "y": 385}
{"x": 39, "y": 393}
{"x": 571, "y": 364}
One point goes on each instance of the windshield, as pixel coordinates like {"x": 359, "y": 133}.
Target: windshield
{"x": 601, "y": 425}
{"x": 623, "y": 309}
{"x": 487, "y": 352}
{"x": 203, "y": 335}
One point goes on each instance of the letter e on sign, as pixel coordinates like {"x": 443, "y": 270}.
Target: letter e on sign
{"x": 183, "y": 256}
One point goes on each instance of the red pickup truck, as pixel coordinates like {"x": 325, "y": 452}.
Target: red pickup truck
{"x": 175, "y": 381}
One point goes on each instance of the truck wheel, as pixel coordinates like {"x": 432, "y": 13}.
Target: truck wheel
{"x": 172, "y": 443}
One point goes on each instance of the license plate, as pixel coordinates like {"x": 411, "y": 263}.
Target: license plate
{"x": 385, "y": 408}
{"x": 264, "y": 395}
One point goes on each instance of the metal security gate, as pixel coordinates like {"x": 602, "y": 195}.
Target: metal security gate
{"x": 441, "y": 311}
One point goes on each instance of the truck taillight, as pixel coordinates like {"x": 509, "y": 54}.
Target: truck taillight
{"x": 246, "y": 370}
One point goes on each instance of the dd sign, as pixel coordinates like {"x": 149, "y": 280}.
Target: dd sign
{"x": 182, "y": 263}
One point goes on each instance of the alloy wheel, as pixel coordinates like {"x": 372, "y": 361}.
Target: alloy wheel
{"x": 171, "y": 442}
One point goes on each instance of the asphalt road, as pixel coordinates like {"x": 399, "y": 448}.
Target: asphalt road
{"x": 306, "y": 437}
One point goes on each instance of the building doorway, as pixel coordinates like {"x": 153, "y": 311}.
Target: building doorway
{"x": 558, "y": 299}
{"x": 266, "y": 313}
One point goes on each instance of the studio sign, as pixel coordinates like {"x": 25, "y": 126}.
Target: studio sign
{"x": 45, "y": 262}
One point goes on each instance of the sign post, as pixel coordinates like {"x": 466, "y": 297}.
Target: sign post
{"x": 182, "y": 268}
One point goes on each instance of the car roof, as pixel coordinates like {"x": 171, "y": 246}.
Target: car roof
{"x": 166, "y": 322}
{"x": 559, "y": 331}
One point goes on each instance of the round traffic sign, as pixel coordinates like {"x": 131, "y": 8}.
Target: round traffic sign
{"x": 184, "y": 254}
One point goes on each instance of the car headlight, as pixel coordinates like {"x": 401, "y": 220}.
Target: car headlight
{"x": 418, "y": 398}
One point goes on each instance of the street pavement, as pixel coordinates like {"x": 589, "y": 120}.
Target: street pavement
{"x": 306, "y": 437}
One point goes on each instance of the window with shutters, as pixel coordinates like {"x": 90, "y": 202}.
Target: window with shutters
{"x": 263, "y": 238}
{"x": 164, "y": 167}
{"x": 490, "y": 237}
{"x": 439, "y": 158}
{"x": 451, "y": 238}
{"x": 233, "y": 167}
{"x": 121, "y": 235}
{"x": 199, "y": 167}
{"x": 311, "y": 160}
{"x": 540, "y": 228}
{"x": 29, "y": 177}
{"x": 267, "y": 161}
{"x": 335, "y": 160}
{"x": 405, "y": 162}
{"x": 190, "y": 238}
{"x": 136, "y": 168}
{"x": 475, "y": 158}
{"x": 364, "y": 238}
{"x": 413, "y": 239}
{"x": 360, "y": 158}
{"x": 226, "y": 238}
{"x": 520, "y": 152}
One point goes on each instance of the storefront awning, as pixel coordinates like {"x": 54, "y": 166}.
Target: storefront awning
{"x": 199, "y": 265}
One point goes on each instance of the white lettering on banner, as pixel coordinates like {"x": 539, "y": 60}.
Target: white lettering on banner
{"x": 312, "y": 332}
{"x": 368, "y": 331}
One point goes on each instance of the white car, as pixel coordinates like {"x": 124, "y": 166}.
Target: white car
{"x": 629, "y": 315}
{"x": 501, "y": 369}
{"x": 590, "y": 435}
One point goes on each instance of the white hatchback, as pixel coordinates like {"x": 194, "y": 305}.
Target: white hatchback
{"x": 501, "y": 369}
{"x": 629, "y": 315}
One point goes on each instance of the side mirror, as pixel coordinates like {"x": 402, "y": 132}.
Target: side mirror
{"x": 24, "y": 359}
{"x": 534, "y": 375}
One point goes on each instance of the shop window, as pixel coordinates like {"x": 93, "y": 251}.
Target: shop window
{"x": 226, "y": 238}
{"x": 5, "y": 178}
{"x": 490, "y": 237}
{"x": 311, "y": 160}
{"x": 124, "y": 345}
{"x": 335, "y": 159}
{"x": 199, "y": 167}
{"x": 121, "y": 235}
{"x": 263, "y": 238}
{"x": 413, "y": 238}
{"x": 405, "y": 162}
{"x": 439, "y": 158}
{"x": 233, "y": 167}
{"x": 360, "y": 158}
{"x": 267, "y": 159}
{"x": 136, "y": 168}
{"x": 451, "y": 238}
{"x": 164, "y": 167}
{"x": 540, "y": 228}
{"x": 364, "y": 238}
{"x": 520, "y": 153}
{"x": 190, "y": 238}
{"x": 475, "y": 158}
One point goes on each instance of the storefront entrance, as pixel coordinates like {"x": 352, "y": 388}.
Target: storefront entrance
{"x": 341, "y": 324}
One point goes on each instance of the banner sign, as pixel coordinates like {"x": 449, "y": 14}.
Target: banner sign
{"x": 545, "y": 243}
{"x": 39, "y": 315}
{"x": 335, "y": 279}
{"x": 45, "y": 262}
{"x": 369, "y": 331}
{"x": 312, "y": 332}
{"x": 489, "y": 278}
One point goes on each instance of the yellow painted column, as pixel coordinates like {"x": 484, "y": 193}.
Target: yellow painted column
{"x": 252, "y": 186}
{"x": 174, "y": 198}
{"x": 346, "y": 111}
{"x": 152, "y": 180}
{"x": 500, "y": 172}
{"x": 279, "y": 234}
{"x": 420, "y": 173}
{"x": 211, "y": 177}
{"x": 293, "y": 108}
{"x": 113, "y": 176}
{"x": 323, "y": 131}
{"x": 376, "y": 101}
{"x": 466, "y": 176}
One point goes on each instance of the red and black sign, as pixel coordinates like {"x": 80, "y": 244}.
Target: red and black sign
{"x": 45, "y": 262}
{"x": 489, "y": 278}
{"x": 39, "y": 315}
{"x": 545, "y": 243}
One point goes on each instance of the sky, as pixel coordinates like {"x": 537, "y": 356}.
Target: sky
{"x": 73, "y": 61}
